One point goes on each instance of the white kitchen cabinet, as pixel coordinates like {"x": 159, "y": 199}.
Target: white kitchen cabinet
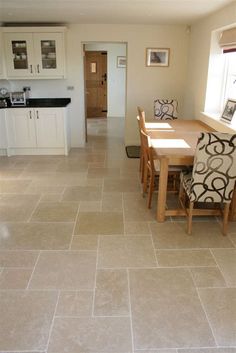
{"x": 36, "y": 54}
{"x": 3, "y": 134}
{"x": 37, "y": 131}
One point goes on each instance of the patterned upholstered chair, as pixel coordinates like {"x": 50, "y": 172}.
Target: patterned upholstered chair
{"x": 165, "y": 109}
{"x": 212, "y": 179}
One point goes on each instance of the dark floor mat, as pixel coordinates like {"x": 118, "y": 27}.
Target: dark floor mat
{"x": 133, "y": 151}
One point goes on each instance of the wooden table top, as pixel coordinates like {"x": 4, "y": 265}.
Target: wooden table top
{"x": 178, "y": 141}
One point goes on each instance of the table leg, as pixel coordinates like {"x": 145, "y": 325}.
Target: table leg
{"x": 162, "y": 190}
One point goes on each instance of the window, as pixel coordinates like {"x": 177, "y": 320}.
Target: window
{"x": 230, "y": 76}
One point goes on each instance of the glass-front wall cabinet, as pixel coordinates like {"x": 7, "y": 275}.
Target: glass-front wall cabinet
{"x": 35, "y": 55}
{"x": 48, "y": 54}
{"x": 20, "y": 55}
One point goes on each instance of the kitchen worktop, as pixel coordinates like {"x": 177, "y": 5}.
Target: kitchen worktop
{"x": 41, "y": 103}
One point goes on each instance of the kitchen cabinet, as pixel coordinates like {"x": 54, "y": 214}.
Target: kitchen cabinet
{"x": 37, "y": 54}
{"x": 37, "y": 131}
{"x": 3, "y": 135}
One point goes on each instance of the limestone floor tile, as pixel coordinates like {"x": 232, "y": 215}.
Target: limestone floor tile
{"x": 55, "y": 212}
{"x": 25, "y": 319}
{"x": 72, "y": 166}
{"x": 220, "y": 306}
{"x": 99, "y": 223}
{"x": 85, "y": 242}
{"x": 111, "y": 294}
{"x": 208, "y": 350}
{"x": 34, "y": 188}
{"x": 233, "y": 238}
{"x": 208, "y": 277}
{"x": 103, "y": 172}
{"x": 14, "y": 186}
{"x": 82, "y": 193}
{"x": 65, "y": 270}
{"x": 10, "y": 173}
{"x": 137, "y": 228}
{"x": 226, "y": 259}
{"x": 14, "y": 278}
{"x": 172, "y": 235}
{"x": 121, "y": 185}
{"x": 90, "y": 335}
{"x": 128, "y": 251}
{"x": 178, "y": 258}
{"x": 17, "y": 208}
{"x": 26, "y": 259}
{"x": 75, "y": 303}
{"x": 156, "y": 351}
{"x": 59, "y": 179}
{"x": 51, "y": 197}
{"x": 90, "y": 206}
{"x": 35, "y": 236}
{"x": 112, "y": 201}
{"x": 135, "y": 209}
{"x": 166, "y": 310}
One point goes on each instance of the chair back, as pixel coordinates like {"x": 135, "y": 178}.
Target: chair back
{"x": 165, "y": 109}
{"x": 214, "y": 169}
{"x": 141, "y": 119}
{"x": 147, "y": 149}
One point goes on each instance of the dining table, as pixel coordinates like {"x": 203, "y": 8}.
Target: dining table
{"x": 174, "y": 143}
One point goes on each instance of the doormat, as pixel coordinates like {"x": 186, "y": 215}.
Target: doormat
{"x": 133, "y": 151}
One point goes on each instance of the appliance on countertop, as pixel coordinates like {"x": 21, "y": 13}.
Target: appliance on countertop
{"x": 17, "y": 99}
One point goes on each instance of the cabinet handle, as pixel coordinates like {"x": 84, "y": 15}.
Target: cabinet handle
{"x": 31, "y": 69}
{"x": 37, "y": 114}
{"x": 38, "y": 69}
{"x": 30, "y": 114}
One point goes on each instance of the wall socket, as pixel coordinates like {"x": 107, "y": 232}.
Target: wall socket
{"x": 26, "y": 88}
{"x": 70, "y": 88}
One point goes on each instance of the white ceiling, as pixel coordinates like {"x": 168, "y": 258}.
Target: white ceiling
{"x": 108, "y": 11}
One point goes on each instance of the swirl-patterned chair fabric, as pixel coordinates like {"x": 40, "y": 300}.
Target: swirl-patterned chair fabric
{"x": 213, "y": 176}
{"x": 165, "y": 109}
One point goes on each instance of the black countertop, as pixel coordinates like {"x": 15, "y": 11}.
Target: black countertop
{"x": 39, "y": 103}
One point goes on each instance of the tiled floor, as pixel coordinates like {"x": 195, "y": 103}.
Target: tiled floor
{"x": 85, "y": 268}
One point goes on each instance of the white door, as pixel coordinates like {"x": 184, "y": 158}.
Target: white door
{"x": 20, "y": 128}
{"x": 19, "y": 54}
{"x": 49, "y": 127}
{"x": 49, "y": 54}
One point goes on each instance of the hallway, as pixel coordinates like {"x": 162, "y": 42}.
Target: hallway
{"x": 85, "y": 267}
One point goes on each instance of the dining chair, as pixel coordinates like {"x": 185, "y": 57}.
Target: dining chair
{"x": 212, "y": 179}
{"x": 165, "y": 109}
{"x": 151, "y": 168}
{"x": 141, "y": 126}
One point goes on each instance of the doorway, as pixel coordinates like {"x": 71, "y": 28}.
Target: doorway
{"x": 112, "y": 104}
{"x": 96, "y": 84}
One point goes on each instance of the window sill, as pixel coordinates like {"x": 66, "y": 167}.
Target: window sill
{"x": 213, "y": 120}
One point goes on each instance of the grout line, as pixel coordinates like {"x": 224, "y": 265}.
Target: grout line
{"x": 95, "y": 279}
{"x": 207, "y": 317}
{"x": 130, "y": 311}
{"x": 73, "y": 230}
{"x": 36, "y": 262}
{"x": 52, "y": 323}
{"x": 218, "y": 266}
{"x": 37, "y": 203}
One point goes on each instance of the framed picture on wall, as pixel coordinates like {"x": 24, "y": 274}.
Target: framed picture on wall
{"x": 121, "y": 61}
{"x": 229, "y": 110}
{"x": 157, "y": 56}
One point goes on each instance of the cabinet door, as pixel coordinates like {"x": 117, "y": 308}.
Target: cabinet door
{"x": 3, "y": 133}
{"x": 49, "y": 54}
{"x": 19, "y": 54}
{"x": 21, "y": 128}
{"x": 49, "y": 127}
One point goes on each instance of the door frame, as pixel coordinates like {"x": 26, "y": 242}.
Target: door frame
{"x": 84, "y": 78}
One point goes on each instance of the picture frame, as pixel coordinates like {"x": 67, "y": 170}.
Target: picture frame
{"x": 157, "y": 57}
{"x": 229, "y": 110}
{"x": 121, "y": 61}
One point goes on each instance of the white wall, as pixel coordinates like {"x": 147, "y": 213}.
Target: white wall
{"x": 200, "y": 43}
{"x": 144, "y": 84}
{"x": 116, "y": 77}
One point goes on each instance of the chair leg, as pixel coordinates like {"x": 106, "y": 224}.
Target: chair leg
{"x": 225, "y": 218}
{"x": 145, "y": 177}
{"x": 190, "y": 216}
{"x": 151, "y": 189}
